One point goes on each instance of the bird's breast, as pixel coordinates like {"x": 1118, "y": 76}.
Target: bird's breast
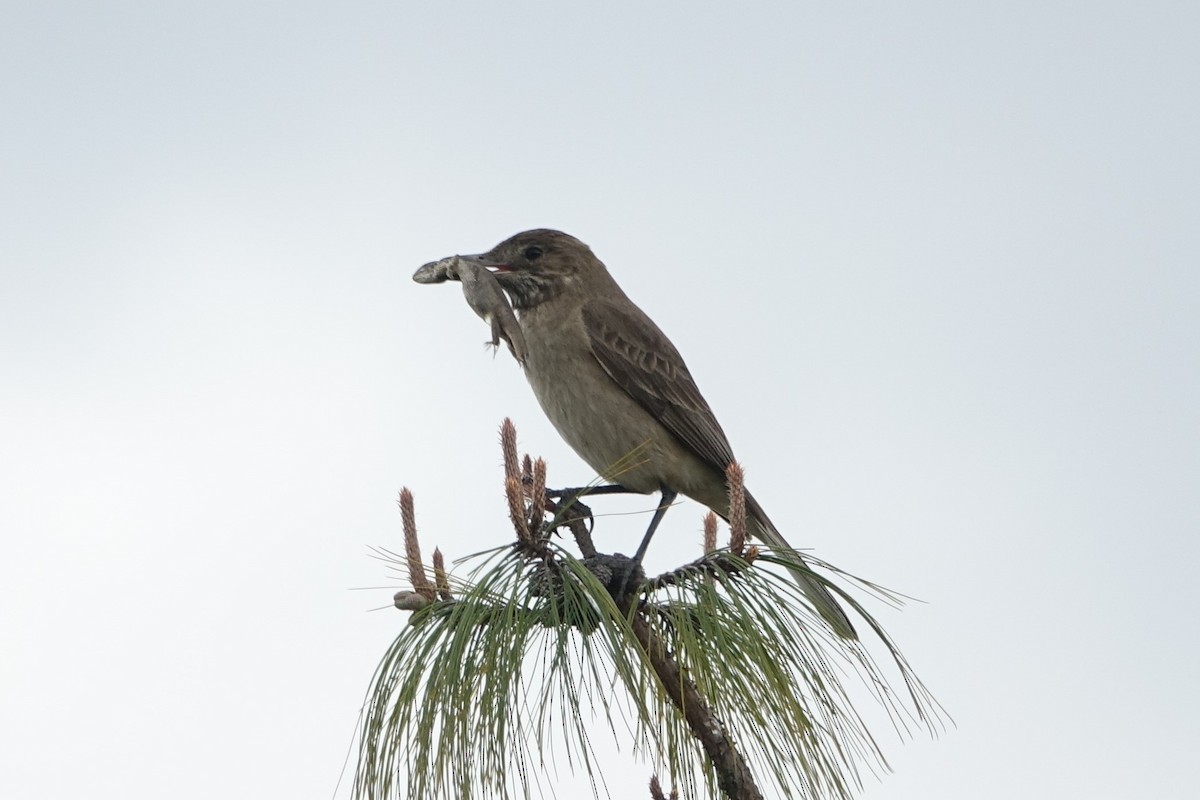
{"x": 594, "y": 415}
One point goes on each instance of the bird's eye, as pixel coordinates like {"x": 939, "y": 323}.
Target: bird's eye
{"x": 532, "y": 253}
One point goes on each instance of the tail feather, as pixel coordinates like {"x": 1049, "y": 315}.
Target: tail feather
{"x": 816, "y": 592}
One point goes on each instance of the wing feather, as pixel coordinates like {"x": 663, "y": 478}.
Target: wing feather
{"x": 643, "y": 362}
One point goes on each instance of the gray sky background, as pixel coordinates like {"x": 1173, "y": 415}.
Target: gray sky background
{"x": 935, "y": 265}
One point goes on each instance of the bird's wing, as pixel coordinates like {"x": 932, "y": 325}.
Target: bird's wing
{"x": 643, "y": 362}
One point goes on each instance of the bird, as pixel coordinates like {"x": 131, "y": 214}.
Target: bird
{"x": 618, "y": 391}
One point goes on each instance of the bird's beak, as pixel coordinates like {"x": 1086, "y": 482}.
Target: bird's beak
{"x": 487, "y": 263}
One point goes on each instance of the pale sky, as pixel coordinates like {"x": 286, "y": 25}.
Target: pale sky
{"x": 936, "y": 267}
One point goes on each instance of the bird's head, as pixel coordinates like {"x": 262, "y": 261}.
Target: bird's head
{"x": 539, "y": 265}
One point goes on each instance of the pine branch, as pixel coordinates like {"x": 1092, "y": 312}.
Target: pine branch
{"x": 697, "y": 649}
{"x": 733, "y": 774}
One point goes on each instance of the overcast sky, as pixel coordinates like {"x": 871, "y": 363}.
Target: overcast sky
{"x": 936, "y": 267}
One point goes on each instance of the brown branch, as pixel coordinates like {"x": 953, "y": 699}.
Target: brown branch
{"x": 571, "y": 514}
{"x": 583, "y": 537}
{"x": 508, "y": 443}
{"x": 737, "y": 507}
{"x": 537, "y": 500}
{"x": 710, "y": 539}
{"x": 711, "y": 565}
{"x": 515, "y": 495}
{"x": 412, "y": 547}
{"x": 656, "y": 792}
{"x": 526, "y": 467}
{"x": 440, "y": 578}
{"x": 733, "y": 774}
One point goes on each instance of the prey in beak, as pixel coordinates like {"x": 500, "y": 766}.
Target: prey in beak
{"x": 483, "y": 294}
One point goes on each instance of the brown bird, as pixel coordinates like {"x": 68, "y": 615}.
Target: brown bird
{"x": 618, "y": 391}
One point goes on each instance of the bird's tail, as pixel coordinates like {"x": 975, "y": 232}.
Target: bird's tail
{"x": 761, "y": 528}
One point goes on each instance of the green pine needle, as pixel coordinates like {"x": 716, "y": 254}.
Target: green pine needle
{"x": 489, "y": 695}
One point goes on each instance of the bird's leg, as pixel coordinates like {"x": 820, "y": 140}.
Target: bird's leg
{"x": 668, "y": 497}
{"x": 570, "y": 497}
{"x": 604, "y": 488}
{"x": 635, "y": 566}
